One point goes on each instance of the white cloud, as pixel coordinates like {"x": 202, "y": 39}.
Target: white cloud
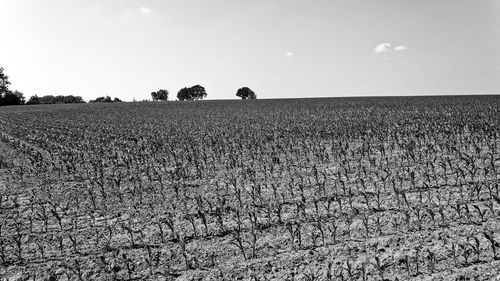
{"x": 386, "y": 50}
{"x": 382, "y": 48}
{"x": 289, "y": 54}
{"x": 146, "y": 10}
{"x": 401, "y": 48}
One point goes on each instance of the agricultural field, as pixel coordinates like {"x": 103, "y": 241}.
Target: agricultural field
{"x": 300, "y": 189}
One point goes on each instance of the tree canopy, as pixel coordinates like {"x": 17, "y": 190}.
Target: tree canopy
{"x": 13, "y": 98}
{"x": 105, "y": 99}
{"x": 194, "y": 93}
{"x": 246, "y": 93}
{"x": 160, "y": 95}
{"x": 7, "y": 97}
{"x": 4, "y": 83}
{"x": 50, "y": 99}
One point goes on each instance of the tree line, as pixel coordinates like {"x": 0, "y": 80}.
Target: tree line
{"x": 50, "y": 99}
{"x": 197, "y": 92}
{"x": 105, "y": 99}
{"x": 8, "y": 97}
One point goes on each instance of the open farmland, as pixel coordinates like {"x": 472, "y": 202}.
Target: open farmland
{"x": 305, "y": 189}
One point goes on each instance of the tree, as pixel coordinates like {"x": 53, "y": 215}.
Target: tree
{"x": 246, "y": 93}
{"x": 13, "y": 98}
{"x": 102, "y": 99}
{"x": 33, "y": 100}
{"x": 160, "y": 95}
{"x": 8, "y": 97}
{"x": 194, "y": 93}
{"x": 4, "y": 83}
{"x": 198, "y": 92}
{"x": 183, "y": 94}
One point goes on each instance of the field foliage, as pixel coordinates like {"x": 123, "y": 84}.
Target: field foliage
{"x": 306, "y": 189}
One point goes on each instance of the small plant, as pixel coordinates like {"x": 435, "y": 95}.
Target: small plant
{"x": 350, "y": 270}
{"x": 75, "y": 266}
{"x": 381, "y": 267}
{"x": 366, "y": 224}
{"x": 182, "y": 243}
{"x": 431, "y": 259}
{"x": 74, "y": 242}
{"x": 476, "y": 246}
{"x": 454, "y": 253}
{"x": 417, "y": 260}
{"x": 333, "y": 229}
{"x": 18, "y": 238}
{"x": 466, "y": 252}
{"x": 329, "y": 274}
{"x": 311, "y": 276}
{"x": 294, "y": 229}
{"x": 318, "y": 224}
{"x": 481, "y": 213}
{"x": 129, "y": 265}
{"x": 363, "y": 271}
{"x": 237, "y": 235}
{"x": 493, "y": 244}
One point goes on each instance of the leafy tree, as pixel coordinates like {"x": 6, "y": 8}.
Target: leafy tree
{"x": 33, "y": 100}
{"x": 198, "y": 92}
{"x": 183, "y": 94}
{"x": 102, "y": 99}
{"x": 117, "y": 100}
{"x": 4, "y": 83}
{"x": 13, "y": 98}
{"x": 8, "y": 97}
{"x": 246, "y": 93}
{"x": 160, "y": 95}
{"x": 194, "y": 93}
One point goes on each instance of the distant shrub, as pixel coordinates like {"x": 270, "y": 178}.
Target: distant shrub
{"x": 50, "y": 99}
{"x": 105, "y": 99}
{"x": 246, "y": 93}
{"x": 160, "y": 95}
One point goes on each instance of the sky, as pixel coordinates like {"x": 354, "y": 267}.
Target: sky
{"x": 278, "y": 48}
